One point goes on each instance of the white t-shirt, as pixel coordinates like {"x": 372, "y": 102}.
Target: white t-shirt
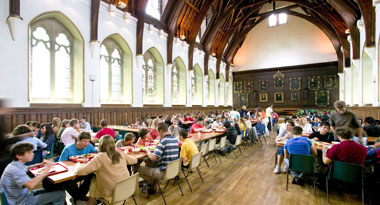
{"x": 234, "y": 114}
{"x": 269, "y": 112}
{"x": 69, "y": 136}
{"x": 307, "y": 128}
{"x": 282, "y": 127}
{"x": 216, "y": 124}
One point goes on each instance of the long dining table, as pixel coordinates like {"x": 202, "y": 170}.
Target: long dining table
{"x": 70, "y": 174}
{"x": 124, "y": 128}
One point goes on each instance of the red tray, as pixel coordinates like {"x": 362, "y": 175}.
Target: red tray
{"x": 82, "y": 158}
{"x": 58, "y": 168}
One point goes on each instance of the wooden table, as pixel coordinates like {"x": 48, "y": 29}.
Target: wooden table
{"x": 372, "y": 139}
{"x": 70, "y": 174}
{"x": 123, "y": 128}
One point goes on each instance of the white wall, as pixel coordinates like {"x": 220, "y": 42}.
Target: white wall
{"x": 296, "y": 43}
{"x": 14, "y": 54}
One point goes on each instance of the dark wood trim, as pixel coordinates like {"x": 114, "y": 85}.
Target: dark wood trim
{"x": 94, "y": 21}
{"x": 14, "y": 8}
{"x": 369, "y": 16}
{"x": 228, "y": 65}
{"x": 169, "y": 48}
{"x": 191, "y": 56}
{"x": 217, "y": 69}
{"x": 140, "y": 12}
{"x": 205, "y": 62}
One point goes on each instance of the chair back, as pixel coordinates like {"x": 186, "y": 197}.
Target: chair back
{"x": 37, "y": 157}
{"x": 204, "y": 148}
{"x": 346, "y": 172}
{"x": 247, "y": 132}
{"x": 223, "y": 142}
{"x": 211, "y": 144}
{"x": 301, "y": 163}
{"x": 172, "y": 169}
{"x": 125, "y": 188}
{"x": 195, "y": 160}
{"x": 3, "y": 199}
{"x": 260, "y": 129}
{"x": 51, "y": 151}
{"x": 238, "y": 140}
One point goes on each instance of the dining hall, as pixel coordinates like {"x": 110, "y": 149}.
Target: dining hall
{"x": 189, "y": 102}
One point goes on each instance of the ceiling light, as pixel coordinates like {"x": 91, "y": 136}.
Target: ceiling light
{"x": 121, "y": 5}
{"x": 347, "y": 31}
{"x": 232, "y": 65}
{"x": 182, "y": 37}
{"x": 213, "y": 54}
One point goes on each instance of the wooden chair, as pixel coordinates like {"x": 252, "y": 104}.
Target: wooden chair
{"x": 124, "y": 189}
{"x": 195, "y": 162}
{"x": 237, "y": 145}
{"x": 171, "y": 172}
{"x": 204, "y": 151}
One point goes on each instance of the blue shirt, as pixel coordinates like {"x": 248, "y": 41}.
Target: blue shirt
{"x": 298, "y": 145}
{"x": 72, "y": 150}
{"x": 167, "y": 151}
{"x": 35, "y": 142}
{"x": 12, "y": 183}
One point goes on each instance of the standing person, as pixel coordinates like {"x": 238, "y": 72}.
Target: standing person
{"x": 104, "y": 131}
{"x": 55, "y": 125}
{"x": 84, "y": 125}
{"x": 243, "y": 111}
{"x": 343, "y": 117}
{"x": 234, "y": 114}
{"x": 298, "y": 145}
{"x": 70, "y": 134}
{"x": 15, "y": 183}
{"x": 269, "y": 113}
{"x": 104, "y": 164}
{"x": 166, "y": 151}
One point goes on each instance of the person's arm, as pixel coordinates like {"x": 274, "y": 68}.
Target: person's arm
{"x": 64, "y": 155}
{"x": 313, "y": 151}
{"x": 88, "y": 126}
{"x": 326, "y": 160}
{"x": 286, "y": 153}
{"x": 32, "y": 183}
{"x": 41, "y": 144}
{"x": 151, "y": 155}
{"x": 90, "y": 167}
{"x": 129, "y": 159}
{"x": 182, "y": 154}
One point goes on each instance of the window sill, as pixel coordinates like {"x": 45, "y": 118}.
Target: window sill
{"x": 55, "y": 105}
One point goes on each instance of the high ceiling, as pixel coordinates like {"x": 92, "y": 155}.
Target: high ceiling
{"x": 229, "y": 21}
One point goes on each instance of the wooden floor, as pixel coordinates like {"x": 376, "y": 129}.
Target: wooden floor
{"x": 249, "y": 179}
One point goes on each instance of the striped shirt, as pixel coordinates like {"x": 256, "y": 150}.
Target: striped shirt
{"x": 166, "y": 151}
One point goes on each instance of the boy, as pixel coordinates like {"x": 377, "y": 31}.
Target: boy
{"x": 128, "y": 140}
{"x": 15, "y": 183}
{"x": 188, "y": 149}
{"x": 298, "y": 145}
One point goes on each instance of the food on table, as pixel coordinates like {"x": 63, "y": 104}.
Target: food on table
{"x": 83, "y": 158}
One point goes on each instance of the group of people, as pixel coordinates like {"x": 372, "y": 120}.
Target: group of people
{"x": 342, "y": 126}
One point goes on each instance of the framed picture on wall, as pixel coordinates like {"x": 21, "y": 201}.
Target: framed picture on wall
{"x": 322, "y": 98}
{"x": 279, "y": 80}
{"x": 248, "y": 87}
{"x": 243, "y": 98}
{"x": 295, "y": 84}
{"x": 329, "y": 82}
{"x": 294, "y": 96}
{"x": 263, "y": 85}
{"x": 314, "y": 82}
{"x": 238, "y": 87}
{"x": 278, "y": 97}
{"x": 263, "y": 97}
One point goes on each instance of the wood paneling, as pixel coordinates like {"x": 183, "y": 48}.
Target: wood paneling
{"x": 307, "y": 97}
{"x": 363, "y": 112}
{"x": 118, "y": 116}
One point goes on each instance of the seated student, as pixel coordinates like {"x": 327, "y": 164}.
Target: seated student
{"x": 84, "y": 125}
{"x": 144, "y": 137}
{"x": 139, "y": 123}
{"x": 305, "y": 125}
{"x": 298, "y": 145}
{"x": 70, "y": 134}
{"x": 35, "y": 126}
{"x": 284, "y": 135}
{"x": 242, "y": 126}
{"x": 104, "y": 131}
{"x": 188, "y": 148}
{"x": 282, "y": 126}
{"x": 316, "y": 122}
{"x": 104, "y": 164}
{"x": 235, "y": 124}
{"x": 197, "y": 127}
{"x": 154, "y": 132}
{"x": 82, "y": 146}
{"x": 65, "y": 123}
{"x": 23, "y": 129}
{"x": 48, "y": 137}
{"x": 231, "y": 133}
{"x": 166, "y": 151}
{"x": 347, "y": 150}
{"x": 15, "y": 183}
{"x": 217, "y": 123}
{"x": 323, "y": 134}
{"x": 174, "y": 128}
{"x": 128, "y": 140}
{"x": 55, "y": 125}
{"x": 370, "y": 127}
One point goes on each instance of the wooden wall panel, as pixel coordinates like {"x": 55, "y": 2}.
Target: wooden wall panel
{"x": 118, "y": 116}
{"x": 307, "y": 97}
{"x": 363, "y": 112}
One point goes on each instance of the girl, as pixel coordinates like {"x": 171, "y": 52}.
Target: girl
{"x": 48, "y": 137}
{"x": 55, "y": 125}
{"x": 64, "y": 124}
{"x": 105, "y": 165}
{"x": 154, "y": 132}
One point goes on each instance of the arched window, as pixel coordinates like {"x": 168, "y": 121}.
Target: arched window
{"x": 221, "y": 90}
{"x": 193, "y": 88}
{"x": 198, "y": 85}
{"x": 211, "y": 88}
{"x": 175, "y": 85}
{"x": 153, "y": 77}
{"x": 53, "y": 56}
{"x": 154, "y": 8}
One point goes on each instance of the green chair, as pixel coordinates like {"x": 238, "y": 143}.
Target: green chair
{"x": 301, "y": 163}
{"x": 3, "y": 199}
{"x": 346, "y": 172}
{"x": 51, "y": 154}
